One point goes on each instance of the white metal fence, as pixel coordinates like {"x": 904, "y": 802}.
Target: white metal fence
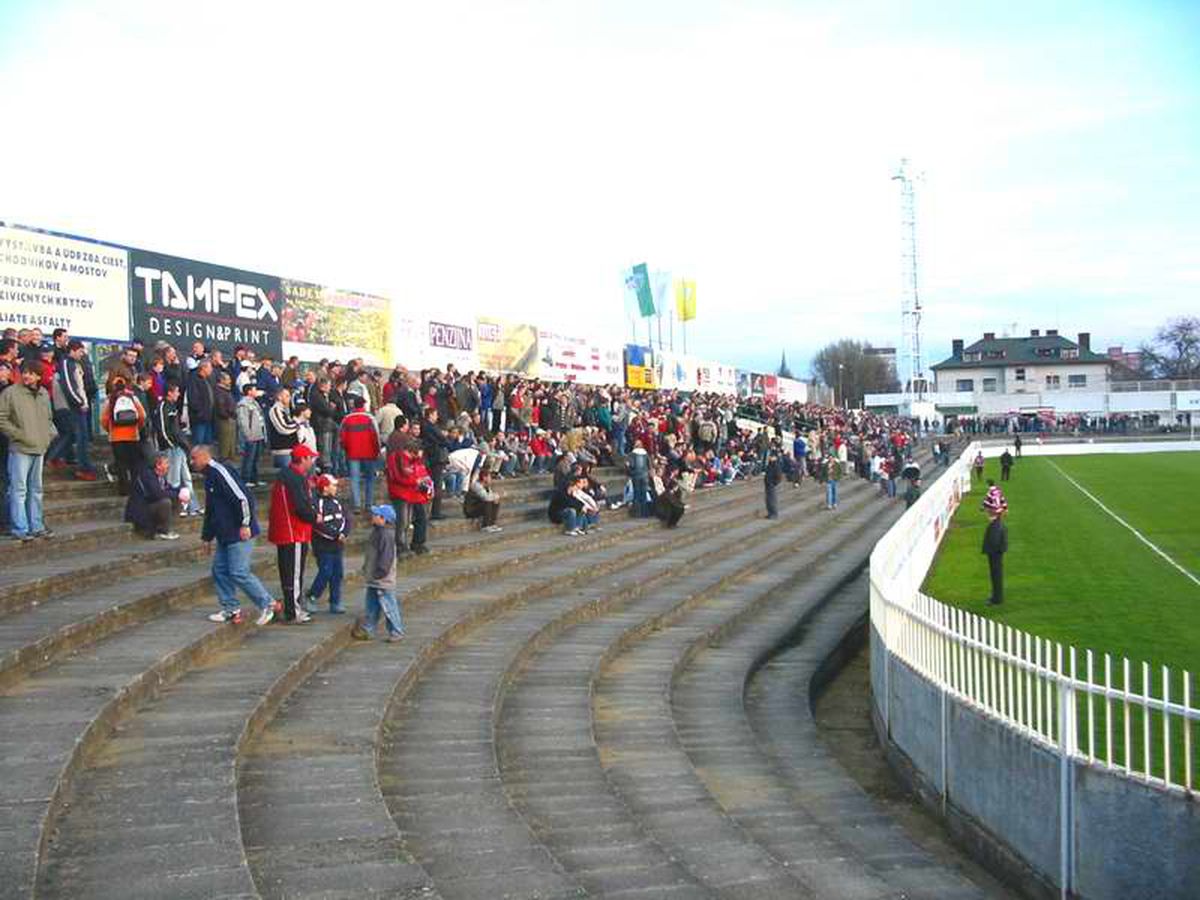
{"x": 1093, "y": 708}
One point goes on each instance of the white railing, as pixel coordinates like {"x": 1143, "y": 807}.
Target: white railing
{"x": 1088, "y": 707}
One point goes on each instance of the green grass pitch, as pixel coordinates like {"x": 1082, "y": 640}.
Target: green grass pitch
{"x": 1075, "y": 575}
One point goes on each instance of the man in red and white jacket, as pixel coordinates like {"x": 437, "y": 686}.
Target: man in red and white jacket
{"x": 359, "y": 437}
{"x": 290, "y": 528}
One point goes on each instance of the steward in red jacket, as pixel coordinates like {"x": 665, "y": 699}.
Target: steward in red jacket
{"x": 290, "y": 528}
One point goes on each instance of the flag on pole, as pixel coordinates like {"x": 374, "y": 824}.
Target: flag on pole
{"x": 660, "y": 288}
{"x": 685, "y": 299}
{"x": 637, "y": 288}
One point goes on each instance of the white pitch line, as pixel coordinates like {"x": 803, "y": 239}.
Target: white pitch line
{"x": 1137, "y": 534}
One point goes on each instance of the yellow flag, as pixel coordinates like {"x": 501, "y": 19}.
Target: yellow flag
{"x": 685, "y": 299}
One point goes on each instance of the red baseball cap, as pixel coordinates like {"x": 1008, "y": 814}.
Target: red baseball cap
{"x": 303, "y": 451}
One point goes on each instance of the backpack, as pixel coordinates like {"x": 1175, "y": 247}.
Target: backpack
{"x": 124, "y": 411}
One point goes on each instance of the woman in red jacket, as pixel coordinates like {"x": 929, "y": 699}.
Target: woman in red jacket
{"x": 410, "y": 489}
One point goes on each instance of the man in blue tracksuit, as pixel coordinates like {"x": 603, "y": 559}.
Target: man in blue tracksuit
{"x": 229, "y": 520}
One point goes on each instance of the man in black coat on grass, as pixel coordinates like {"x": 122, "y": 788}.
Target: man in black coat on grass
{"x": 995, "y": 545}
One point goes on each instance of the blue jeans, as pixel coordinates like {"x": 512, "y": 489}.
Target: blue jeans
{"x": 231, "y": 570}
{"x": 618, "y": 439}
{"x": 330, "y": 571}
{"x": 250, "y": 453}
{"x": 831, "y": 493}
{"x": 25, "y": 492}
{"x": 454, "y": 481}
{"x": 179, "y": 475}
{"x": 573, "y": 520}
{"x": 362, "y": 470}
{"x": 202, "y": 433}
{"x": 641, "y": 497}
{"x": 5, "y": 512}
{"x": 380, "y": 600}
{"x": 80, "y": 419}
{"x": 340, "y": 467}
{"x": 891, "y": 487}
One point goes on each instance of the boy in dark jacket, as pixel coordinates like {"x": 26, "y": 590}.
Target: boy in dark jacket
{"x": 329, "y": 545}
{"x": 379, "y": 570}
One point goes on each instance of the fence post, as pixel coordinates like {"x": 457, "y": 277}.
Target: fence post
{"x": 1067, "y": 725}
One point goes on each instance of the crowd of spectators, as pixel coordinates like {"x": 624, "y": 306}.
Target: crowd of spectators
{"x": 411, "y": 441}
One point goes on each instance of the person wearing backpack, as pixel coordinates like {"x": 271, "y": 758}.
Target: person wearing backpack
{"x": 123, "y": 417}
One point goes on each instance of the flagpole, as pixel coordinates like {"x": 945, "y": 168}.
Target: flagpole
{"x": 672, "y": 330}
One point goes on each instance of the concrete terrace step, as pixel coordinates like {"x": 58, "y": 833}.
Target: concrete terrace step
{"x": 91, "y": 595}
{"x": 636, "y": 733}
{"x": 360, "y": 688}
{"x": 90, "y": 554}
{"x": 80, "y": 535}
{"x": 72, "y": 864}
{"x": 804, "y": 787}
{"x": 547, "y": 756}
{"x": 67, "y": 501}
{"x": 439, "y": 757}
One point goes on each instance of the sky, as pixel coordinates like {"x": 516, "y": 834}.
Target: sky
{"x": 513, "y": 158}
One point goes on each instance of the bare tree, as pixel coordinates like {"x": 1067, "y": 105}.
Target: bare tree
{"x": 859, "y": 373}
{"x": 1175, "y": 350}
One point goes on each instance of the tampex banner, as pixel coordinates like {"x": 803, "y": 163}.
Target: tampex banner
{"x": 423, "y": 343}
{"x": 324, "y": 323}
{"x": 770, "y": 387}
{"x": 506, "y": 346}
{"x": 744, "y": 383}
{"x": 639, "y": 368}
{"x": 564, "y": 357}
{"x": 792, "y": 391}
{"x": 50, "y": 282}
{"x": 675, "y": 371}
{"x": 181, "y": 300}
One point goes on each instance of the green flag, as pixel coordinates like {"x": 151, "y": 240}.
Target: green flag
{"x": 637, "y": 285}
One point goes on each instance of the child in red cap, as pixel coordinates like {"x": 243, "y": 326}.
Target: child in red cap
{"x": 329, "y": 546}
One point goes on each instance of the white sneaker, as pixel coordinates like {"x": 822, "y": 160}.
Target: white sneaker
{"x": 302, "y": 616}
{"x": 574, "y": 532}
{"x": 493, "y": 529}
{"x": 223, "y": 617}
{"x": 267, "y": 614}
{"x": 167, "y": 536}
{"x": 183, "y": 514}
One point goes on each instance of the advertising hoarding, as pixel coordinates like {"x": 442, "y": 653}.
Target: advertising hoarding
{"x": 564, "y": 357}
{"x": 50, "y": 282}
{"x": 506, "y": 346}
{"x": 182, "y": 300}
{"x": 321, "y": 322}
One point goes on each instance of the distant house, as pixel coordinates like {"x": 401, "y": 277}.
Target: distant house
{"x": 1037, "y": 364}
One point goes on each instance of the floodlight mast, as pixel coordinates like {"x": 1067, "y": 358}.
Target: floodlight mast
{"x": 911, "y": 362}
